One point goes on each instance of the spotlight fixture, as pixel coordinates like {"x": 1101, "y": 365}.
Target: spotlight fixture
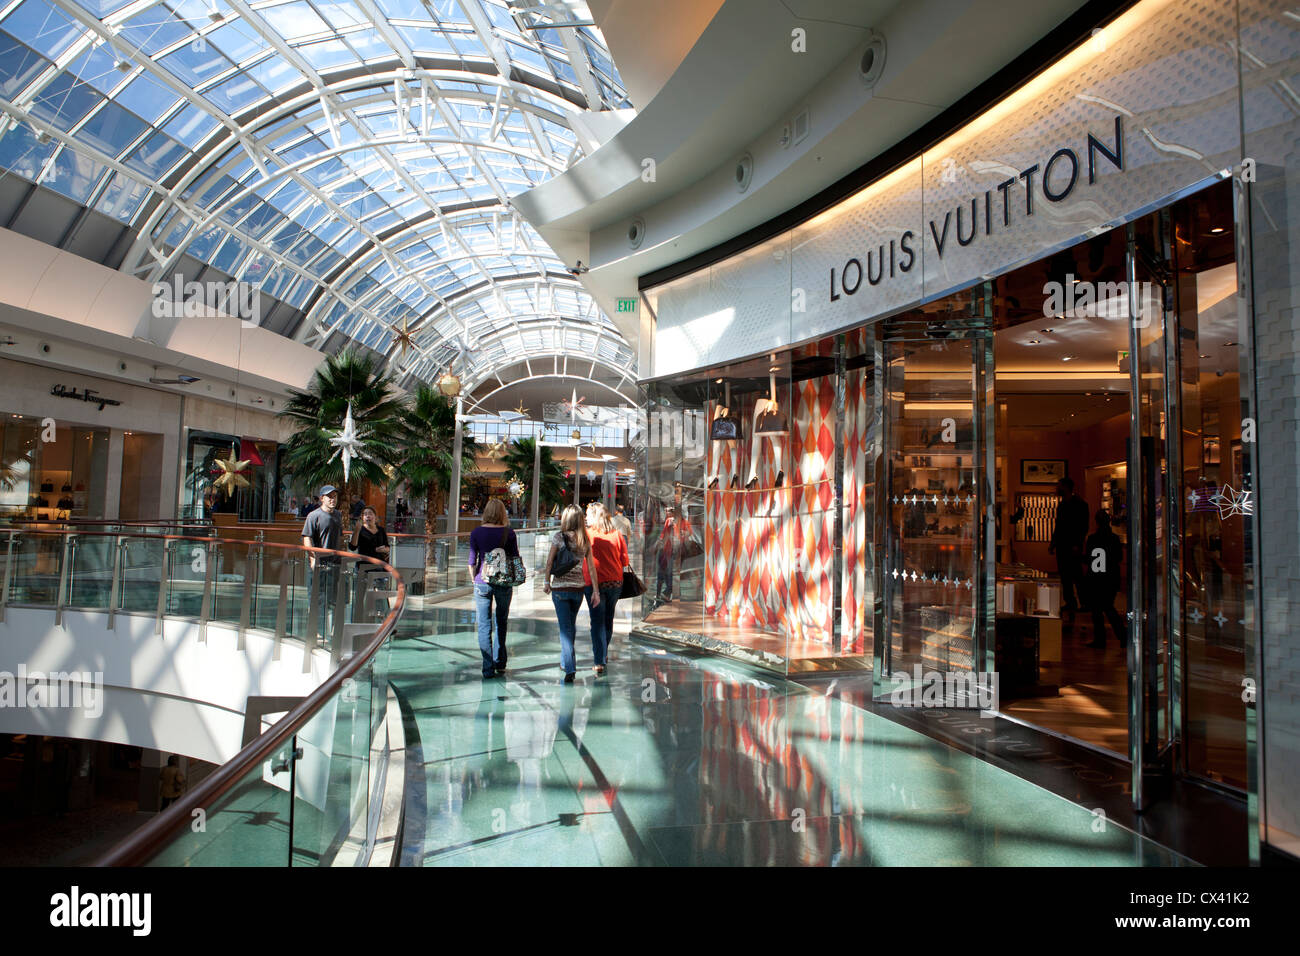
{"x": 178, "y": 380}
{"x": 1034, "y": 342}
{"x": 579, "y": 269}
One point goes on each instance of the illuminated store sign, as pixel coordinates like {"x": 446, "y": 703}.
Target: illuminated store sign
{"x": 1055, "y": 180}
{"x": 1086, "y": 145}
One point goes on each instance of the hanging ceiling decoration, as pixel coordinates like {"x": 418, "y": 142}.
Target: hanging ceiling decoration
{"x": 232, "y": 475}
{"x": 353, "y": 160}
{"x": 347, "y": 444}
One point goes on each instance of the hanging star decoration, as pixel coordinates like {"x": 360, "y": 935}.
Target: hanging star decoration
{"x": 497, "y": 450}
{"x": 405, "y": 338}
{"x": 523, "y": 412}
{"x": 347, "y": 444}
{"x": 1231, "y": 502}
{"x": 232, "y": 474}
{"x": 573, "y": 404}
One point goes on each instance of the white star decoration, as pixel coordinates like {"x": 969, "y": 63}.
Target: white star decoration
{"x": 1230, "y": 502}
{"x": 347, "y": 444}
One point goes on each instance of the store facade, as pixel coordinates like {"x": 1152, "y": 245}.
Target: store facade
{"x": 856, "y": 429}
{"x": 76, "y": 446}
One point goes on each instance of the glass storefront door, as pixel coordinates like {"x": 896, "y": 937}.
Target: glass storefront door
{"x": 931, "y": 615}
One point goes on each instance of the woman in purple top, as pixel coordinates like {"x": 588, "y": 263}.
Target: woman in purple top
{"x": 493, "y": 533}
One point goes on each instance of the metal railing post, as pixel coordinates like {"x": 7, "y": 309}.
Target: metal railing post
{"x": 246, "y": 605}
{"x": 115, "y": 588}
{"x": 162, "y": 588}
{"x": 65, "y": 572}
{"x": 209, "y": 581}
{"x": 9, "y": 563}
{"x": 282, "y": 609}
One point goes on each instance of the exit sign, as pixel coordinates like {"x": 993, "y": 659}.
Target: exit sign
{"x": 626, "y": 305}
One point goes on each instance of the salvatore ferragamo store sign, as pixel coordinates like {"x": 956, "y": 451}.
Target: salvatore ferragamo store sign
{"x": 1107, "y": 133}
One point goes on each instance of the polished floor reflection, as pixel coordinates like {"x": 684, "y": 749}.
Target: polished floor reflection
{"x": 680, "y": 760}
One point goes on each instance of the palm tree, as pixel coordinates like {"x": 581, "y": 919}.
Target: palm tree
{"x": 518, "y": 461}
{"x": 427, "y": 450}
{"x": 348, "y": 378}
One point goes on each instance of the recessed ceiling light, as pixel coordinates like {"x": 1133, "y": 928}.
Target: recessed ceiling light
{"x": 1204, "y": 356}
{"x": 1047, "y": 330}
{"x": 1033, "y": 342}
{"x": 1066, "y": 358}
{"x": 1216, "y": 230}
{"x": 1077, "y": 281}
{"x": 1229, "y": 344}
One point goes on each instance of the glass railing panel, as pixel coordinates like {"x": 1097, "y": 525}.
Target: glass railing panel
{"x": 141, "y": 571}
{"x": 247, "y": 826}
{"x": 331, "y": 789}
{"x": 37, "y": 559}
{"x": 90, "y": 582}
{"x": 228, "y": 581}
{"x": 186, "y": 575}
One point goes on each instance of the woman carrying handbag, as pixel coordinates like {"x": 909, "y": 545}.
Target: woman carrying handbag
{"x": 568, "y": 567}
{"x": 493, "y": 551}
{"x": 609, "y": 549}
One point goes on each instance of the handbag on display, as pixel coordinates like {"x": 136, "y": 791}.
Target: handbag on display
{"x": 768, "y": 419}
{"x": 47, "y": 486}
{"x": 632, "y": 585}
{"x": 725, "y": 427}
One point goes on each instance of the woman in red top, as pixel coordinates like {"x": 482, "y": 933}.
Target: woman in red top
{"x": 609, "y": 551}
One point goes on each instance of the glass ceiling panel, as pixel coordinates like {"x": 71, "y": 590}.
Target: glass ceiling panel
{"x": 157, "y": 88}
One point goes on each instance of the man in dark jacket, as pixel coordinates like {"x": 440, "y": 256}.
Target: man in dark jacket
{"x": 1103, "y": 557}
{"x": 1067, "y": 543}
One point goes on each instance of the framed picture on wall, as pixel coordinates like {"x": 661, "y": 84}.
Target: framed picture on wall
{"x": 1043, "y": 471}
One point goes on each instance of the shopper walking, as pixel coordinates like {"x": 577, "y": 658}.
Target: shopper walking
{"x": 667, "y": 555}
{"x": 609, "y": 549}
{"x": 622, "y": 523}
{"x": 491, "y": 546}
{"x": 324, "y": 529}
{"x": 1103, "y": 557}
{"x": 568, "y": 566}
{"x": 1067, "y": 543}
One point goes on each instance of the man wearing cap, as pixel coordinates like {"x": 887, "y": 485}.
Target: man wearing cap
{"x": 324, "y": 529}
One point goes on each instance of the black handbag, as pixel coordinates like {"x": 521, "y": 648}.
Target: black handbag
{"x": 566, "y": 559}
{"x": 632, "y": 585}
{"x": 726, "y": 428}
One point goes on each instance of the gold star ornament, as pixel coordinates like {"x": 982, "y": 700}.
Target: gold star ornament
{"x": 405, "y": 338}
{"x": 232, "y": 474}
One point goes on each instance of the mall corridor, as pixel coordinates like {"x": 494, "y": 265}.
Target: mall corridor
{"x": 674, "y": 759}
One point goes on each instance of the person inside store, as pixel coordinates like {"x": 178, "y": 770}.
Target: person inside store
{"x": 324, "y": 529}
{"x": 358, "y": 506}
{"x": 667, "y": 552}
{"x": 1103, "y": 559}
{"x": 609, "y": 549}
{"x": 1067, "y": 543}
{"x": 491, "y": 547}
{"x": 622, "y": 523}
{"x": 569, "y": 565}
{"x": 403, "y": 512}
{"x": 171, "y": 783}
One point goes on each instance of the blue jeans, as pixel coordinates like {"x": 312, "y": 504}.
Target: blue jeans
{"x": 602, "y": 618}
{"x": 483, "y": 597}
{"x": 567, "y": 604}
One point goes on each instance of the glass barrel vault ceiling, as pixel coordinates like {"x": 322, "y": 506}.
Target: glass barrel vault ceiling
{"x": 351, "y": 158}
